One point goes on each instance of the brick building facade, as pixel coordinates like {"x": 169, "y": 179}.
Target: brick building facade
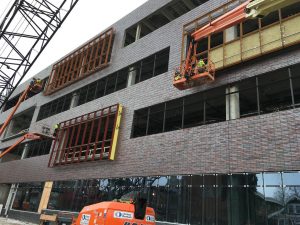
{"x": 260, "y": 148}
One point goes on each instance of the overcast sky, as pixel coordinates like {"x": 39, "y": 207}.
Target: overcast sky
{"x": 87, "y": 19}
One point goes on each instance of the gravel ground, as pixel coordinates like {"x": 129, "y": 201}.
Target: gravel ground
{"x": 5, "y": 221}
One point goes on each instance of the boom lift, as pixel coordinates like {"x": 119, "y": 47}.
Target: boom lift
{"x": 190, "y": 74}
{"x": 34, "y": 86}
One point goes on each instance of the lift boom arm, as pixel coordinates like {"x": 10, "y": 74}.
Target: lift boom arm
{"x": 21, "y": 99}
{"x": 31, "y": 136}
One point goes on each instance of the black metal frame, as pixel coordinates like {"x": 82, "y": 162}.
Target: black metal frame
{"x": 37, "y": 22}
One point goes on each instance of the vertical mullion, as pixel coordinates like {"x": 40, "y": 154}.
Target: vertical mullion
{"x": 97, "y": 135}
{"x": 257, "y": 95}
{"x": 82, "y": 141}
{"x": 70, "y": 143}
{"x": 291, "y": 87}
{"x": 204, "y": 111}
{"x": 90, "y": 137}
{"x": 117, "y": 76}
{"x": 147, "y": 125}
{"x": 182, "y": 117}
{"x": 141, "y": 67}
{"x": 105, "y": 133}
{"x": 164, "y": 118}
{"x": 154, "y": 63}
{"x": 77, "y": 137}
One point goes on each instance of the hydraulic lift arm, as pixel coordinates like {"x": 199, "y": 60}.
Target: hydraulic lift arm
{"x": 31, "y": 136}
{"x": 190, "y": 74}
{"x": 34, "y": 86}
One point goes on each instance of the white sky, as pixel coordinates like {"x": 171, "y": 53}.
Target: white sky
{"x": 87, "y": 19}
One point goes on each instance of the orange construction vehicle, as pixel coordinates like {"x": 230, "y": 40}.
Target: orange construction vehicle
{"x": 117, "y": 213}
{"x": 192, "y": 72}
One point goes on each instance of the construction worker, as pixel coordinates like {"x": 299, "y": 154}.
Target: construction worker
{"x": 201, "y": 66}
{"x": 177, "y": 75}
{"x": 56, "y": 127}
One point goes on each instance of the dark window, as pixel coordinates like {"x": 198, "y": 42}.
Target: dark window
{"x": 130, "y": 35}
{"x": 290, "y": 10}
{"x": 156, "y": 119}
{"x": 295, "y": 72}
{"x": 38, "y": 147}
{"x": 273, "y": 17}
{"x": 248, "y": 97}
{"x": 140, "y": 122}
{"x": 216, "y": 39}
{"x": 250, "y": 25}
{"x": 274, "y": 91}
{"x": 28, "y": 197}
{"x": 91, "y": 91}
{"x": 193, "y": 110}
{"x": 111, "y": 84}
{"x": 15, "y": 154}
{"x": 122, "y": 79}
{"x": 202, "y": 45}
{"x": 100, "y": 88}
{"x": 173, "y": 115}
{"x": 147, "y": 68}
{"x": 215, "y": 106}
{"x": 82, "y": 95}
{"x": 162, "y": 62}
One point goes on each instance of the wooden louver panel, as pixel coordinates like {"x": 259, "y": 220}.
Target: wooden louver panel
{"x": 92, "y": 57}
{"x": 89, "y": 137}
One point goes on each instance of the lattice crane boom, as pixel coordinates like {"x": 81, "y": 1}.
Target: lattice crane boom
{"x": 26, "y": 30}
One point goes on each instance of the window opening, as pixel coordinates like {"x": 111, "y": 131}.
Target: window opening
{"x": 250, "y": 25}
{"x": 290, "y": 10}
{"x": 274, "y": 91}
{"x": 140, "y": 123}
{"x": 90, "y": 137}
{"x": 273, "y": 17}
{"x": 216, "y": 39}
{"x": 147, "y": 68}
{"x": 173, "y": 115}
{"x": 159, "y": 18}
{"x": 156, "y": 119}
{"x": 95, "y": 55}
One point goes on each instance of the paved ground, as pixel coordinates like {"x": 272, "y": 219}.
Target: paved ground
{"x": 4, "y": 221}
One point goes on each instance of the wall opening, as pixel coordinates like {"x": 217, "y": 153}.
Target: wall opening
{"x": 92, "y": 57}
{"x": 89, "y": 137}
{"x": 20, "y": 123}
